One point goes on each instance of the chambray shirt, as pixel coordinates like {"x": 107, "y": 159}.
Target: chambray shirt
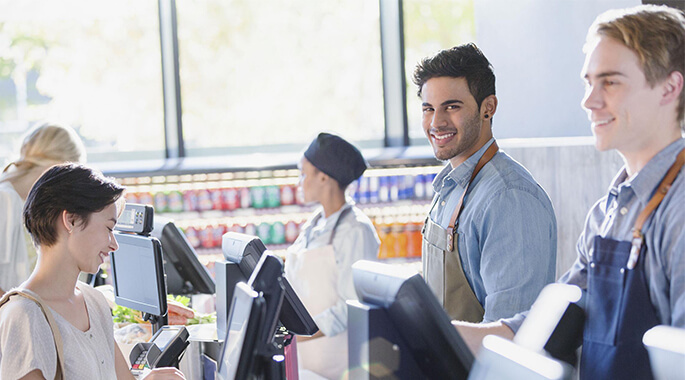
{"x": 614, "y": 216}
{"x": 507, "y": 231}
{"x": 355, "y": 239}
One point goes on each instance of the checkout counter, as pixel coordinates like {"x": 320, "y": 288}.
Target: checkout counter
{"x": 396, "y": 330}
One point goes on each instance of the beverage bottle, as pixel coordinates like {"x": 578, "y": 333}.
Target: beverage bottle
{"x": 400, "y": 239}
{"x": 145, "y": 197}
{"x": 245, "y": 197}
{"x": 190, "y": 200}
{"x": 264, "y": 232}
{"x": 383, "y": 189}
{"x": 382, "y": 229}
{"x": 258, "y": 195}
{"x": 204, "y": 200}
{"x": 175, "y": 199}
{"x": 216, "y": 199}
{"x": 419, "y": 186}
{"x": 364, "y": 190}
{"x": 373, "y": 189}
{"x": 291, "y": 231}
{"x": 394, "y": 188}
{"x": 277, "y": 233}
{"x": 193, "y": 236}
{"x": 231, "y": 198}
{"x": 287, "y": 195}
{"x": 273, "y": 196}
{"x": 131, "y": 197}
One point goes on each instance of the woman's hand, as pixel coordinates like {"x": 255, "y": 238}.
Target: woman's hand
{"x": 164, "y": 373}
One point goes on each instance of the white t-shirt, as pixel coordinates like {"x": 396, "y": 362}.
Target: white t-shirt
{"x": 14, "y": 259}
{"x": 26, "y": 341}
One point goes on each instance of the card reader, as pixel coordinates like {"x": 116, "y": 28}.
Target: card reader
{"x": 136, "y": 218}
{"x": 163, "y": 350}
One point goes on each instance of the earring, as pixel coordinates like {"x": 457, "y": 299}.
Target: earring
{"x": 486, "y": 116}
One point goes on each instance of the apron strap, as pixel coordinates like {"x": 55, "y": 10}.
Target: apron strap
{"x": 337, "y": 222}
{"x": 487, "y": 156}
{"x": 653, "y": 203}
{"x": 59, "y": 371}
{"x": 335, "y": 226}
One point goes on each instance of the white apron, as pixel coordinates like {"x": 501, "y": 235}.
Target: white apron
{"x": 313, "y": 274}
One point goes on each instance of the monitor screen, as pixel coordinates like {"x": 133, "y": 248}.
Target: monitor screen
{"x": 240, "y": 344}
{"x": 267, "y": 280}
{"x": 418, "y": 318}
{"x": 246, "y": 250}
{"x": 138, "y": 274}
{"x": 185, "y": 273}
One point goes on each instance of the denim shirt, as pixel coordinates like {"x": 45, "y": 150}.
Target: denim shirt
{"x": 507, "y": 231}
{"x": 614, "y": 216}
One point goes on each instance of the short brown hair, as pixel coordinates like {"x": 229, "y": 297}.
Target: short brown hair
{"x": 77, "y": 189}
{"x": 655, "y": 33}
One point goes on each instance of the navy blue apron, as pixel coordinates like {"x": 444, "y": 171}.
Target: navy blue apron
{"x": 619, "y": 310}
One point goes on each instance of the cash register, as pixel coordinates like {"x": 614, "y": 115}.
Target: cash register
{"x": 140, "y": 284}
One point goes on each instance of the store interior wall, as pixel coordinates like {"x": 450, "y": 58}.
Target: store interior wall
{"x": 535, "y": 47}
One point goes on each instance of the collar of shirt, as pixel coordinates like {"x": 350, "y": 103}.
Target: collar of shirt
{"x": 647, "y": 179}
{"x": 462, "y": 173}
{"x": 331, "y": 220}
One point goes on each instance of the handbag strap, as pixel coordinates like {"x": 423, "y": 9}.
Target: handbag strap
{"x": 59, "y": 372}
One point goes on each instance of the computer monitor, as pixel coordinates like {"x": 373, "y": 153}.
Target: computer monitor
{"x": 666, "y": 349}
{"x": 240, "y": 347}
{"x": 418, "y": 323}
{"x": 245, "y": 251}
{"x": 185, "y": 273}
{"x": 267, "y": 279}
{"x": 501, "y": 358}
{"x": 138, "y": 274}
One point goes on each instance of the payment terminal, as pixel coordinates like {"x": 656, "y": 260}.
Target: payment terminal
{"x": 163, "y": 350}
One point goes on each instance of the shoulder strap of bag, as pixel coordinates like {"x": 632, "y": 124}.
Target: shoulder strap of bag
{"x": 59, "y": 373}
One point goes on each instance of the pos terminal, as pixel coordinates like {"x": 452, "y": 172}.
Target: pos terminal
{"x": 140, "y": 284}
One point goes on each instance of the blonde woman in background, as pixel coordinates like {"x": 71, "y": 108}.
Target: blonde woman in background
{"x": 43, "y": 146}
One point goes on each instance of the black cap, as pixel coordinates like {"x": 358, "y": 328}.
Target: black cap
{"x": 336, "y": 157}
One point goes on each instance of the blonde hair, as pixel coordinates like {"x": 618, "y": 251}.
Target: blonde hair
{"x": 43, "y": 146}
{"x": 655, "y": 33}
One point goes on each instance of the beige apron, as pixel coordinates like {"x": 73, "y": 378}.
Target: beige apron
{"x": 442, "y": 267}
{"x": 313, "y": 274}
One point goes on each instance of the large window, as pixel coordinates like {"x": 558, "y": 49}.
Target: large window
{"x": 430, "y": 26}
{"x": 271, "y": 74}
{"x": 91, "y": 64}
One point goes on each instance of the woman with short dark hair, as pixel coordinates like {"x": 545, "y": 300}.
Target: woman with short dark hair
{"x": 58, "y": 326}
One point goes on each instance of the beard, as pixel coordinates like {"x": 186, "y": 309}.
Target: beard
{"x": 466, "y": 138}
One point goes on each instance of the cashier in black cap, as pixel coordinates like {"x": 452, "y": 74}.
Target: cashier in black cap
{"x": 318, "y": 264}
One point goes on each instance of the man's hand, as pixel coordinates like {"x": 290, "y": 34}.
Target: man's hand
{"x": 178, "y": 314}
{"x": 473, "y": 333}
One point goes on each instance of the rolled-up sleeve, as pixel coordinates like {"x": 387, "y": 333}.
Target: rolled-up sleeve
{"x": 518, "y": 245}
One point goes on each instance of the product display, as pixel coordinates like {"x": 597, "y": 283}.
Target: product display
{"x": 268, "y": 204}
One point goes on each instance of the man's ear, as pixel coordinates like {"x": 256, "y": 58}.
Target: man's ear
{"x": 672, "y": 88}
{"x": 488, "y": 107}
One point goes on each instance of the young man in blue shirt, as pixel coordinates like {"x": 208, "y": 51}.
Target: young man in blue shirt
{"x": 489, "y": 243}
{"x": 631, "y": 254}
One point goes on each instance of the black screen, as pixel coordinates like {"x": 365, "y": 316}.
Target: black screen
{"x": 424, "y": 326}
{"x": 185, "y": 273}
